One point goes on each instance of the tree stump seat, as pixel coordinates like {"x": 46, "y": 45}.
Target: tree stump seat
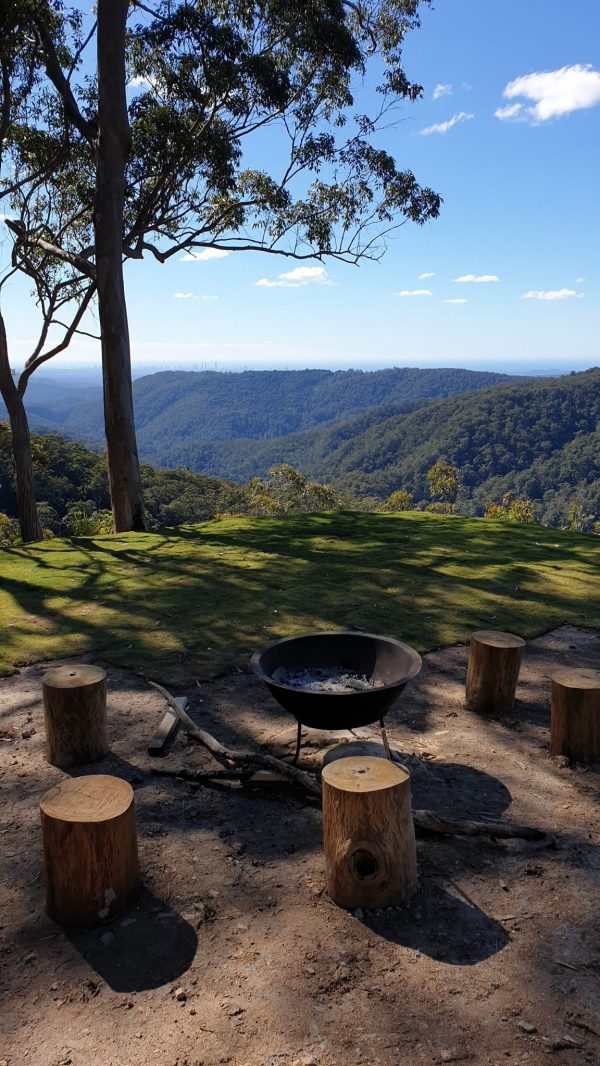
{"x": 75, "y": 715}
{"x": 369, "y": 837}
{"x": 90, "y": 849}
{"x": 493, "y": 671}
{"x": 575, "y": 715}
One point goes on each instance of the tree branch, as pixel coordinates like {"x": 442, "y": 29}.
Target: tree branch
{"x": 34, "y": 361}
{"x": 30, "y": 241}
{"x": 55, "y": 73}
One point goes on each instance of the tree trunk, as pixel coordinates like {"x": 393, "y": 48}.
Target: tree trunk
{"x": 114, "y": 139}
{"x": 368, "y": 832}
{"x": 90, "y": 849}
{"x": 75, "y": 715}
{"x": 31, "y": 528}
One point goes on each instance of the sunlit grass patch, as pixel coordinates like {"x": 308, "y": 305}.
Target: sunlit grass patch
{"x": 189, "y": 602}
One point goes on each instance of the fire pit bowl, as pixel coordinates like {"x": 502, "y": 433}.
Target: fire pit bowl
{"x": 385, "y": 663}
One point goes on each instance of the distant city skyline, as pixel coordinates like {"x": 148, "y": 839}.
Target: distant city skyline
{"x": 508, "y": 132}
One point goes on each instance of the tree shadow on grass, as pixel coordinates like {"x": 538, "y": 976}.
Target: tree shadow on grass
{"x": 190, "y": 601}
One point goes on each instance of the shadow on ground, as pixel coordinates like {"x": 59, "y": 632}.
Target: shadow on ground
{"x": 150, "y": 946}
{"x": 443, "y": 924}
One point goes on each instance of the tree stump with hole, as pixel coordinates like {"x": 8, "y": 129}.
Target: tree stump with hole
{"x": 369, "y": 837}
{"x": 493, "y": 671}
{"x": 575, "y": 715}
{"x": 75, "y": 715}
{"x": 90, "y": 849}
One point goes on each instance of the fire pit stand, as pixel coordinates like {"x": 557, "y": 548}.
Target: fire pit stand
{"x": 385, "y": 664}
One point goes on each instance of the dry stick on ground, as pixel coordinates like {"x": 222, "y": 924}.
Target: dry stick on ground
{"x": 424, "y": 820}
{"x": 434, "y": 824}
{"x": 243, "y": 759}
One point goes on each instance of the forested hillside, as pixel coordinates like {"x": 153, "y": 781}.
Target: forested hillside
{"x": 178, "y": 407}
{"x": 538, "y": 437}
{"x": 70, "y": 480}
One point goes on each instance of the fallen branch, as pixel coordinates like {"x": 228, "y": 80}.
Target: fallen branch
{"x": 197, "y": 777}
{"x": 251, "y": 760}
{"x": 434, "y": 824}
{"x": 243, "y": 759}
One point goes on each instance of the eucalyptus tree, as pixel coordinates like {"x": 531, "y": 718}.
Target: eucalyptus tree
{"x": 179, "y": 158}
{"x": 59, "y": 294}
{"x": 445, "y": 484}
{"x": 37, "y": 189}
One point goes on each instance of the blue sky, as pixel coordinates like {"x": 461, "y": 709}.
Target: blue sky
{"x": 508, "y": 132}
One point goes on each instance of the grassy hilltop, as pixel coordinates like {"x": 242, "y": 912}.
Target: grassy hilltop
{"x": 187, "y": 602}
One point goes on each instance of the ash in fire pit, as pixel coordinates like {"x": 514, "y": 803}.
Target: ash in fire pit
{"x": 324, "y": 680}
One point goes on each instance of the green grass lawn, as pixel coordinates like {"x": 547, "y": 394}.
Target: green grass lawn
{"x": 185, "y": 603}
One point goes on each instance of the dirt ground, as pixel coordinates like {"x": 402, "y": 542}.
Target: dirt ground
{"x": 234, "y": 953}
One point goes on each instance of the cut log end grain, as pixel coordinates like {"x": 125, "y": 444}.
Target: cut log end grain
{"x": 364, "y": 774}
{"x": 493, "y": 638}
{"x": 578, "y": 678}
{"x": 76, "y": 676}
{"x": 96, "y": 798}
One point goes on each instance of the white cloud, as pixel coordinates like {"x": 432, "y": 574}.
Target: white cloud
{"x": 297, "y": 278}
{"x": 477, "y": 278}
{"x": 457, "y": 300}
{"x": 510, "y": 111}
{"x": 413, "y": 292}
{"x": 443, "y": 127}
{"x": 553, "y": 294}
{"x": 428, "y": 274}
{"x": 204, "y": 255}
{"x": 193, "y": 296}
{"x": 553, "y": 93}
{"x": 579, "y": 281}
{"x": 441, "y": 90}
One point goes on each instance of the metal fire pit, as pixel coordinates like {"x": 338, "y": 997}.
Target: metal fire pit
{"x": 387, "y": 662}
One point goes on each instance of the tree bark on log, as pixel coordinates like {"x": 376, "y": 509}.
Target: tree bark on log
{"x": 27, "y": 512}
{"x": 90, "y": 849}
{"x": 114, "y": 140}
{"x": 368, "y": 832}
{"x": 575, "y": 715}
{"x": 494, "y": 664}
{"x": 75, "y": 715}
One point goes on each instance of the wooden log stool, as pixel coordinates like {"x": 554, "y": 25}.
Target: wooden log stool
{"x": 75, "y": 715}
{"x": 575, "y": 715}
{"x": 369, "y": 836}
{"x": 493, "y": 671}
{"x": 90, "y": 849}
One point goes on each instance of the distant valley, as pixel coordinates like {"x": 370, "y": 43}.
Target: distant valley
{"x": 368, "y": 433}
{"x": 180, "y": 407}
